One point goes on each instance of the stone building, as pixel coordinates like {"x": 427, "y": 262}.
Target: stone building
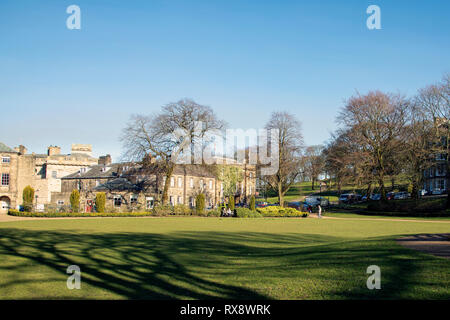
{"x": 43, "y": 172}
{"x": 127, "y": 187}
{"x": 54, "y": 176}
{"x": 436, "y": 178}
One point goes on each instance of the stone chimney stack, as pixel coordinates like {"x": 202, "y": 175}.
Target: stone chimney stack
{"x": 105, "y": 160}
{"x": 22, "y": 149}
{"x": 53, "y": 150}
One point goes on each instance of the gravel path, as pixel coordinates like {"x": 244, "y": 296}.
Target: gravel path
{"x": 435, "y": 244}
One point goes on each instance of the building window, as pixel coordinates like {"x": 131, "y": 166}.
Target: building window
{"x": 251, "y": 175}
{"x": 133, "y": 199}
{"x": 250, "y": 189}
{"x": 180, "y": 182}
{"x": 191, "y": 201}
{"x": 6, "y": 159}
{"x": 172, "y": 182}
{"x": 5, "y": 179}
{"x": 54, "y": 174}
{"x": 191, "y": 183}
{"x": 150, "y": 202}
{"x": 201, "y": 184}
{"x": 117, "y": 201}
{"x": 210, "y": 184}
{"x": 180, "y": 200}
{"x": 171, "y": 200}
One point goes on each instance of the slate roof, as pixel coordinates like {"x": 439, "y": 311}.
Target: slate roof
{"x": 96, "y": 172}
{"x": 5, "y": 148}
{"x": 119, "y": 184}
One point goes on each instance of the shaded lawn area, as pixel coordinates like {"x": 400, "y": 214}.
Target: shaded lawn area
{"x": 215, "y": 258}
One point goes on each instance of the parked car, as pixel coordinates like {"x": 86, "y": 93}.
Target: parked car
{"x": 375, "y": 197}
{"x": 390, "y": 195}
{"x": 296, "y": 205}
{"x": 423, "y": 192}
{"x": 314, "y": 201}
{"x": 261, "y": 204}
{"x": 349, "y": 198}
{"x": 401, "y": 195}
{"x": 438, "y": 191}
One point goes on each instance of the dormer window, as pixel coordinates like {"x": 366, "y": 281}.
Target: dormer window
{"x": 6, "y": 159}
{"x": 83, "y": 170}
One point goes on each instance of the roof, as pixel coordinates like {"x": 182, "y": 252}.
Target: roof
{"x": 97, "y": 172}
{"x": 5, "y": 148}
{"x": 119, "y": 184}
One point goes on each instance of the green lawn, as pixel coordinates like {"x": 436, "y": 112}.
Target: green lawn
{"x": 208, "y": 258}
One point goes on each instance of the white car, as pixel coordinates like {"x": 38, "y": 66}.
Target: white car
{"x": 401, "y": 195}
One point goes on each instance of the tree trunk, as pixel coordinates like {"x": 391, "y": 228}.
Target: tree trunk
{"x": 280, "y": 195}
{"x": 368, "y": 192}
{"x": 382, "y": 189}
{"x": 166, "y": 185}
{"x": 312, "y": 184}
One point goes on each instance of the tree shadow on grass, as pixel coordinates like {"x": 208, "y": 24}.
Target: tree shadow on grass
{"x": 199, "y": 265}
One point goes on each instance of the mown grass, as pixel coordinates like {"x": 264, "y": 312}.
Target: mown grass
{"x": 210, "y": 258}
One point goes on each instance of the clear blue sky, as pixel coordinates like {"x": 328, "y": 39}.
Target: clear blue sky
{"x": 244, "y": 58}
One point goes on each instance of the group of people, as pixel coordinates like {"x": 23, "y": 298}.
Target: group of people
{"x": 226, "y": 212}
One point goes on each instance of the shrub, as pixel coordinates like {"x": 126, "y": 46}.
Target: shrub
{"x": 162, "y": 210}
{"x": 27, "y": 197}
{"x": 75, "y": 200}
{"x": 214, "y": 213}
{"x": 252, "y": 203}
{"x": 231, "y": 203}
{"x": 200, "y": 204}
{"x": 274, "y": 211}
{"x": 76, "y": 214}
{"x": 182, "y": 210}
{"x": 247, "y": 213}
{"x": 100, "y": 202}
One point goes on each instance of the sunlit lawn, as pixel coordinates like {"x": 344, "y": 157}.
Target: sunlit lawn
{"x": 208, "y": 258}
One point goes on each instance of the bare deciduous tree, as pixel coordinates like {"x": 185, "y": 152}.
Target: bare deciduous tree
{"x": 313, "y": 163}
{"x": 290, "y": 141}
{"x": 375, "y": 123}
{"x": 158, "y": 136}
{"x": 435, "y": 102}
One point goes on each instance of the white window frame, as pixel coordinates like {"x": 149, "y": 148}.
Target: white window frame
{"x": 180, "y": 182}
{"x": 151, "y": 201}
{"x": 191, "y": 182}
{"x": 135, "y": 197}
{"x": 117, "y": 198}
{"x": 172, "y": 182}
{"x": 6, "y": 159}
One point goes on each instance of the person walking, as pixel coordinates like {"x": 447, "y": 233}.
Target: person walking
{"x": 319, "y": 210}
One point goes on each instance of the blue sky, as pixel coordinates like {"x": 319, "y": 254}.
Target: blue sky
{"x": 244, "y": 58}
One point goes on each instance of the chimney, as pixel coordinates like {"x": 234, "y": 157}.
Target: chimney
{"x": 105, "y": 160}
{"x": 53, "y": 150}
{"x": 22, "y": 149}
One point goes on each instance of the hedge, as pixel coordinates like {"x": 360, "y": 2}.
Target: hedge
{"x": 275, "y": 211}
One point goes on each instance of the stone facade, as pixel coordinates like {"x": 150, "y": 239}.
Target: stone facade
{"x": 43, "y": 172}
{"x": 54, "y": 176}
{"x": 127, "y": 188}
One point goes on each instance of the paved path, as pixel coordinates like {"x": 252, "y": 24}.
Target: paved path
{"x": 314, "y": 215}
{"x": 435, "y": 244}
